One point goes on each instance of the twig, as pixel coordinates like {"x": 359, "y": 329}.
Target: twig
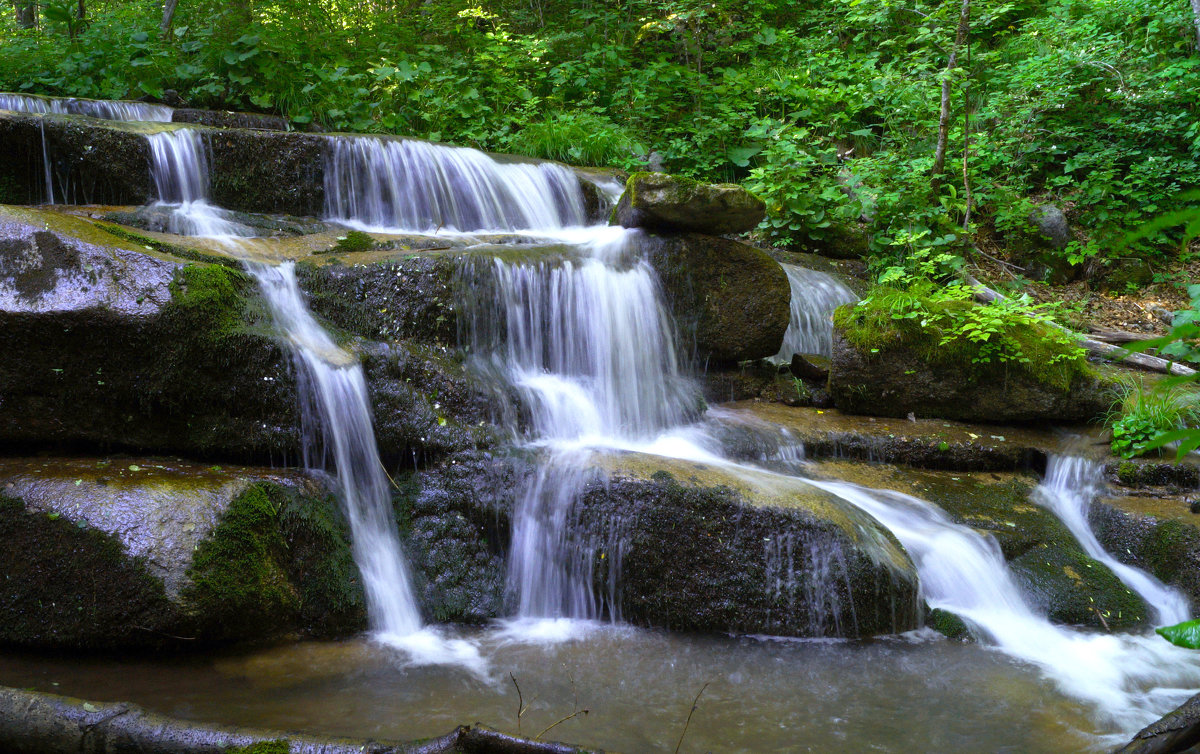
{"x": 520, "y": 702}
{"x": 1101, "y": 617}
{"x": 575, "y": 711}
{"x": 997, "y": 260}
{"x": 689, "y": 717}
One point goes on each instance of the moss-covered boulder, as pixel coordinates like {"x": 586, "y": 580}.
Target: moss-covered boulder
{"x": 731, "y": 300}
{"x": 229, "y": 119}
{"x": 1144, "y": 533}
{"x": 896, "y": 353}
{"x": 1069, "y": 587}
{"x": 128, "y": 552}
{"x": 658, "y": 201}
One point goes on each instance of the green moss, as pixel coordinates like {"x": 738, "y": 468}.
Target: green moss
{"x": 237, "y": 576}
{"x": 278, "y": 746}
{"x": 174, "y": 250}
{"x": 891, "y": 318}
{"x": 63, "y": 584}
{"x": 355, "y": 240}
{"x": 321, "y": 566}
{"x": 209, "y": 298}
{"x": 948, "y": 624}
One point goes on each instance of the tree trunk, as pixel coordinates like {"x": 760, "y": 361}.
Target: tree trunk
{"x": 167, "y": 16}
{"x": 939, "y": 155}
{"x": 1196, "y": 19}
{"x": 26, "y": 13}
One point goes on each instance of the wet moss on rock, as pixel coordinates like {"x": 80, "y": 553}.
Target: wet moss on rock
{"x": 1071, "y": 588}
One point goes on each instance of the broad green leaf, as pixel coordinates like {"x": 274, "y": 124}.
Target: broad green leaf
{"x": 1186, "y": 634}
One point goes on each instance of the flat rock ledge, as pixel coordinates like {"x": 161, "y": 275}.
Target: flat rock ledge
{"x": 35, "y": 723}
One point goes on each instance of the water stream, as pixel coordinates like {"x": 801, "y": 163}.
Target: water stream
{"x": 587, "y": 344}
{"x": 1070, "y": 486}
{"x": 814, "y": 297}
{"x": 105, "y": 109}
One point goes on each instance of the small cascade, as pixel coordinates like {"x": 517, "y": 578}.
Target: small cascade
{"x": 1070, "y": 486}
{"x": 334, "y": 395}
{"x": 333, "y": 398}
{"x": 1130, "y": 680}
{"x": 589, "y": 346}
{"x": 814, "y": 297}
{"x": 105, "y": 109}
{"x": 420, "y": 187}
{"x": 179, "y": 168}
{"x": 49, "y": 173}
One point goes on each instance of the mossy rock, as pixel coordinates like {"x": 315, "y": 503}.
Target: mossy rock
{"x": 894, "y": 366}
{"x": 106, "y": 553}
{"x": 658, "y": 201}
{"x": 1071, "y": 588}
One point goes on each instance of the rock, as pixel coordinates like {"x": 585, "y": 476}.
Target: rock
{"x": 1128, "y": 274}
{"x": 1139, "y": 532}
{"x": 810, "y": 367}
{"x": 793, "y": 561}
{"x": 899, "y": 379}
{"x": 730, "y": 300}
{"x": 227, "y": 119}
{"x": 753, "y": 380}
{"x": 1051, "y": 226}
{"x": 127, "y": 552}
{"x": 127, "y": 347}
{"x": 1178, "y": 732}
{"x": 658, "y": 201}
{"x": 1068, "y": 587}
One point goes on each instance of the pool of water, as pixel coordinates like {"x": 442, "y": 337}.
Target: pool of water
{"x": 917, "y": 692}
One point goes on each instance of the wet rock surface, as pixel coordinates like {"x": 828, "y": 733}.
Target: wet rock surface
{"x": 731, "y": 300}
{"x": 132, "y": 552}
{"x": 1178, "y": 732}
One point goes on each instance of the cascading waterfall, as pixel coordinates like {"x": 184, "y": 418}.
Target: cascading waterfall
{"x": 332, "y": 387}
{"x": 420, "y": 187}
{"x": 334, "y": 390}
{"x": 1130, "y": 680}
{"x": 1070, "y": 486}
{"x": 589, "y": 346}
{"x": 105, "y": 109}
{"x": 814, "y": 297}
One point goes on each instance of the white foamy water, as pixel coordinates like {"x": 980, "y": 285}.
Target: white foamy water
{"x": 814, "y": 297}
{"x": 105, "y": 109}
{"x": 180, "y": 171}
{"x": 1070, "y": 486}
{"x": 421, "y": 187}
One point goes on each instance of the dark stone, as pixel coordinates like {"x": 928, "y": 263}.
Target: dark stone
{"x": 1167, "y": 549}
{"x": 898, "y": 381}
{"x": 810, "y": 367}
{"x": 753, "y": 380}
{"x": 657, "y": 201}
{"x": 731, "y": 300}
{"x": 1071, "y": 588}
{"x": 227, "y": 119}
{"x": 1178, "y": 732}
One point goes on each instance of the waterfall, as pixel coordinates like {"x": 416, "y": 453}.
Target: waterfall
{"x": 417, "y": 186}
{"x": 1070, "y": 485}
{"x": 814, "y": 297}
{"x": 333, "y": 390}
{"x": 1130, "y": 680}
{"x": 179, "y": 169}
{"x": 46, "y": 166}
{"x": 105, "y": 109}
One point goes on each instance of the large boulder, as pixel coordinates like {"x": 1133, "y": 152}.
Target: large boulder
{"x": 173, "y": 350}
{"x": 731, "y": 300}
{"x": 127, "y": 552}
{"x": 1162, "y": 539}
{"x": 658, "y": 201}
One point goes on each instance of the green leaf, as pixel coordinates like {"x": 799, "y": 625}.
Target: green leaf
{"x": 1186, "y": 634}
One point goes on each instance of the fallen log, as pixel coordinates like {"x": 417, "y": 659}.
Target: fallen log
{"x": 1096, "y": 348}
{"x": 36, "y": 723}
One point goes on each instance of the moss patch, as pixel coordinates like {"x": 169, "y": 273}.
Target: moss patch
{"x": 890, "y": 319}
{"x": 278, "y": 746}
{"x": 239, "y": 583}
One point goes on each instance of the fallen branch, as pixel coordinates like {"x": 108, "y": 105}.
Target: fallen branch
{"x": 691, "y": 712}
{"x": 1094, "y": 347}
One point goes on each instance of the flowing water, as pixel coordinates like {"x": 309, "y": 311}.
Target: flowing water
{"x": 587, "y": 345}
{"x": 105, "y": 109}
{"x": 814, "y": 297}
{"x": 1070, "y": 486}
{"x": 416, "y": 186}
